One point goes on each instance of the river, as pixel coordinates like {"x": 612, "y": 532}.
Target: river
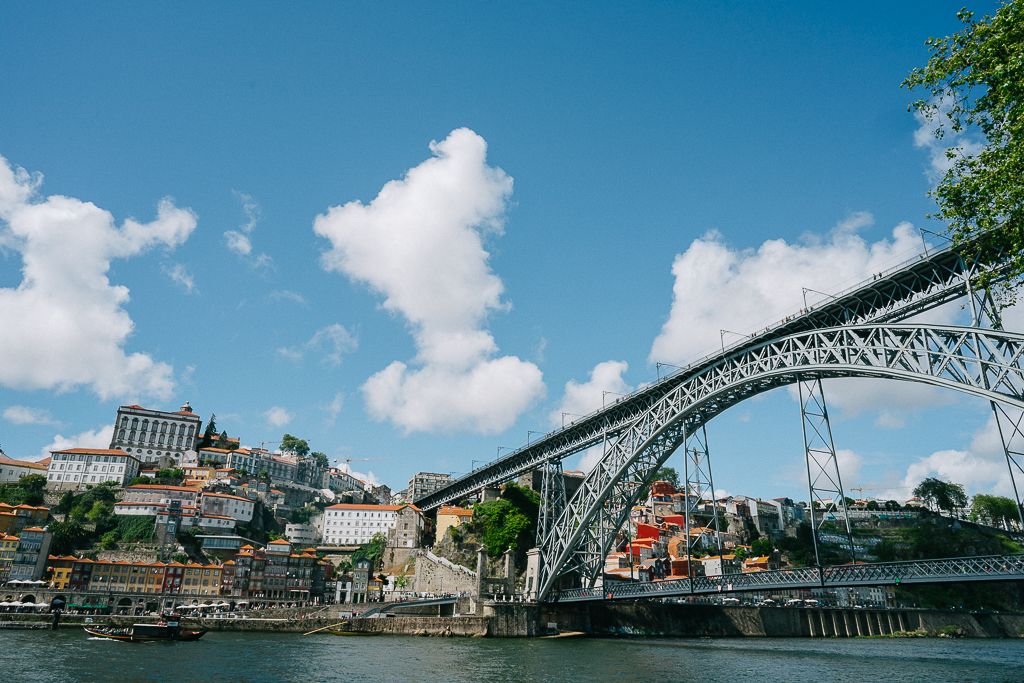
{"x": 70, "y": 655}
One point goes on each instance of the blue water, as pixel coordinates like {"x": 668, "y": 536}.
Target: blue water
{"x": 70, "y": 655}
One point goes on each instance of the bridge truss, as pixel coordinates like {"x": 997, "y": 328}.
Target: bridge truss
{"x": 986, "y": 363}
{"x": 961, "y": 569}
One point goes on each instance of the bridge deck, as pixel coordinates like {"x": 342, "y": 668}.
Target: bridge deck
{"x": 954, "y": 570}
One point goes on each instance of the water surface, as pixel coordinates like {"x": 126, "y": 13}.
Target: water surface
{"x": 70, "y": 655}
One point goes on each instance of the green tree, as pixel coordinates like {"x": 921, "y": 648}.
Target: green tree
{"x": 873, "y": 505}
{"x": 263, "y": 474}
{"x": 321, "y": 459}
{"x": 99, "y": 509}
{"x": 668, "y": 474}
{"x": 946, "y": 496}
{"x": 140, "y": 480}
{"x": 109, "y": 541}
{"x": 66, "y": 537}
{"x": 762, "y": 547}
{"x": 211, "y": 431}
{"x": 974, "y": 84}
{"x": 1000, "y": 510}
{"x": 293, "y": 444}
{"x": 33, "y": 482}
{"x": 740, "y": 553}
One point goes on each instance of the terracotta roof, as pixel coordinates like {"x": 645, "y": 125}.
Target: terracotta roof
{"x": 455, "y": 511}
{"x": 95, "y": 451}
{"x": 34, "y": 528}
{"x": 225, "y": 495}
{"x": 280, "y": 540}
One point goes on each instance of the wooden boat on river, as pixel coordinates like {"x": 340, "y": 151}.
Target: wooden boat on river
{"x": 145, "y": 633}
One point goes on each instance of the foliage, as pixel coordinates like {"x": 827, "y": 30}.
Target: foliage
{"x": 17, "y": 495}
{"x": 302, "y": 515}
{"x": 33, "y": 482}
{"x": 946, "y": 496}
{"x": 263, "y": 474}
{"x": 1001, "y": 510}
{"x": 293, "y": 444}
{"x": 109, "y": 541}
{"x": 509, "y": 522}
{"x": 885, "y": 551}
{"x": 180, "y": 557}
{"x": 740, "y": 554}
{"x": 668, "y": 474}
{"x": 211, "y": 429}
{"x": 892, "y": 505}
{"x": 762, "y": 547}
{"x": 873, "y": 505}
{"x": 99, "y": 509}
{"x": 321, "y": 459}
{"x": 143, "y": 480}
{"x": 974, "y": 82}
{"x": 136, "y": 527}
{"x": 373, "y": 551}
{"x": 67, "y": 536}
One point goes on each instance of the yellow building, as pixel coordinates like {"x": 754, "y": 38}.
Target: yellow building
{"x": 8, "y": 548}
{"x": 58, "y": 571}
{"x": 449, "y": 517}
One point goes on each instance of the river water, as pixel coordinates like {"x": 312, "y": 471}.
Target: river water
{"x": 70, "y": 655}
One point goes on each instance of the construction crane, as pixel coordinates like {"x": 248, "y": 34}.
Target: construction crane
{"x": 885, "y": 488}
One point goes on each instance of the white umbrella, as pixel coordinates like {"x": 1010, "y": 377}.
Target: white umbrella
{"x": 5, "y": 604}
{"x": 17, "y": 603}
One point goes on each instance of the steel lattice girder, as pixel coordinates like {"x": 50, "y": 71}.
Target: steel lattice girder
{"x": 917, "y": 286}
{"x": 986, "y": 363}
{"x": 961, "y": 569}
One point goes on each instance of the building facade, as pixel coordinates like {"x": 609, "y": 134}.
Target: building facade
{"x": 351, "y": 524}
{"x": 77, "y": 467}
{"x": 30, "y": 557}
{"x": 426, "y": 482}
{"x": 12, "y": 470}
{"x": 149, "y": 435}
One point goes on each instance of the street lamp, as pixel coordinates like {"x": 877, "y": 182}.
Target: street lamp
{"x": 613, "y": 393}
{"x": 572, "y": 414}
{"x": 528, "y": 433}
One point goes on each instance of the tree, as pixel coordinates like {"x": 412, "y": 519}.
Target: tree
{"x": 974, "y": 83}
{"x": 873, "y": 505}
{"x": 892, "y": 505}
{"x": 293, "y": 444}
{"x": 66, "y": 537}
{"x": 762, "y": 547}
{"x": 321, "y": 459}
{"x": 33, "y": 482}
{"x": 1000, "y": 510}
{"x": 140, "y": 480}
{"x": 668, "y": 474}
{"x": 946, "y": 496}
{"x": 211, "y": 430}
{"x": 263, "y": 474}
{"x": 740, "y": 553}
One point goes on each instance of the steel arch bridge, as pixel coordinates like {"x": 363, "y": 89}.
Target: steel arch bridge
{"x": 983, "y": 362}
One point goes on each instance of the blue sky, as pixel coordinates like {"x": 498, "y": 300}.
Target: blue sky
{"x": 610, "y": 185}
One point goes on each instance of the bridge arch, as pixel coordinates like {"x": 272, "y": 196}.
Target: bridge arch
{"x": 985, "y": 363}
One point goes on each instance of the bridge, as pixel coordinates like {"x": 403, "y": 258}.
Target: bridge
{"x": 860, "y": 332}
{"x": 990, "y": 568}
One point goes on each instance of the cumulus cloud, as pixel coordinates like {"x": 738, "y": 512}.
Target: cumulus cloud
{"x": 331, "y": 341}
{"x": 22, "y": 415}
{"x": 239, "y": 241}
{"x": 278, "y": 416}
{"x": 583, "y": 398}
{"x": 180, "y": 276}
{"x": 590, "y": 457}
{"x": 97, "y": 438}
{"x": 65, "y": 325}
{"x": 419, "y": 244}
{"x": 720, "y": 288}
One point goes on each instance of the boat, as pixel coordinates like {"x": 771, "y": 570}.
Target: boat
{"x": 144, "y": 633}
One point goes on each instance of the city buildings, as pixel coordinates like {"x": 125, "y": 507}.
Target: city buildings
{"x": 77, "y": 467}
{"x": 12, "y": 470}
{"x": 448, "y": 517}
{"x": 8, "y": 549}
{"x": 154, "y": 435}
{"x": 408, "y": 529}
{"x": 423, "y": 483}
{"x": 227, "y": 505}
{"x": 14, "y": 518}
{"x": 31, "y": 555}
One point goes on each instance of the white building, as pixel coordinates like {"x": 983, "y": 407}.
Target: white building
{"x": 159, "y": 494}
{"x": 12, "y": 470}
{"x": 76, "y": 467}
{"x": 350, "y": 524}
{"x": 151, "y": 434}
{"x": 224, "y": 504}
{"x": 302, "y": 534}
{"x": 424, "y": 483}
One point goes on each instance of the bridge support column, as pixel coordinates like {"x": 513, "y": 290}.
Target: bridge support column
{"x": 823, "y": 479}
{"x": 699, "y": 483}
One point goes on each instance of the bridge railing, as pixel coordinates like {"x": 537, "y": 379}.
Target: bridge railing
{"x": 986, "y": 568}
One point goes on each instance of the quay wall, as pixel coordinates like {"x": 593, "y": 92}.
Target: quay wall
{"x": 703, "y": 621}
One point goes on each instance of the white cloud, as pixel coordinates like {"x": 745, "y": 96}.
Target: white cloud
{"x": 278, "y": 416}
{"x": 590, "y": 457}
{"x": 334, "y": 408}
{"x": 180, "y": 276}
{"x": 98, "y": 438}
{"x": 239, "y": 241}
{"x": 419, "y": 244}
{"x": 924, "y": 137}
{"x": 21, "y": 415}
{"x": 582, "y": 399}
{"x": 65, "y": 324}
{"x": 332, "y": 340}
{"x": 284, "y": 294}
{"x": 369, "y": 478}
{"x": 850, "y": 464}
{"x": 720, "y": 288}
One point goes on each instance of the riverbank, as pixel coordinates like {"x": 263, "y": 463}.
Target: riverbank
{"x": 504, "y": 620}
